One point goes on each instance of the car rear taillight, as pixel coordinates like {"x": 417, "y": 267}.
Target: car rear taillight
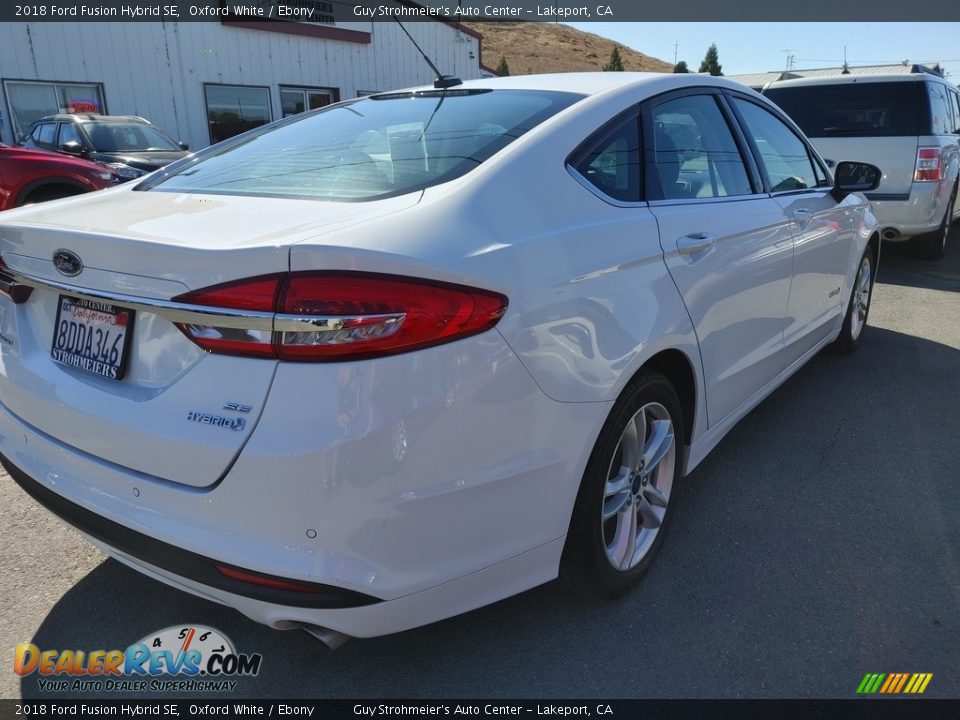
{"x": 929, "y": 165}
{"x": 322, "y": 316}
{"x": 16, "y": 292}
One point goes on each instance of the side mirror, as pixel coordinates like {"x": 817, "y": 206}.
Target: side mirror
{"x": 855, "y": 177}
{"x": 183, "y": 145}
{"x": 72, "y": 147}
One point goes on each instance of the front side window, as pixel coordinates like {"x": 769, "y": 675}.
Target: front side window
{"x": 783, "y": 155}
{"x": 369, "y": 148}
{"x": 695, "y": 154}
{"x": 68, "y": 133}
{"x": 234, "y": 109}
{"x": 613, "y": 166}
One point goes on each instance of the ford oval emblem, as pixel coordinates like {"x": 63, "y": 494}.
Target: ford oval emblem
{"x": 67, "y": 263}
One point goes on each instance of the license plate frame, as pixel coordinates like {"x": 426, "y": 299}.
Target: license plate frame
{"x": 101, "y": 317}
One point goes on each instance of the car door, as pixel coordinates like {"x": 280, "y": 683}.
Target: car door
{"x": 727, "y": 244}
{"x": 822, "y": 227}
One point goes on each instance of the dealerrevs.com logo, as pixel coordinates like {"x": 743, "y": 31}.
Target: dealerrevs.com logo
{"x": 200, "y": 659}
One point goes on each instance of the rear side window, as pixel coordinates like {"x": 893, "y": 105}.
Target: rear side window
{"x": 867, "y": 109}
{"x": 613, "y": 166}
{"x": 956, "y": 112}
{"x": 784, "y": 155}
{"x": 43, "y": 134}
{"x": 941, "y": 109}
{"x": 695, "y": 154}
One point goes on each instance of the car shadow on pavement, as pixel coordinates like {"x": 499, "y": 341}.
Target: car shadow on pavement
{"x": 898, "y": 266}
{"x": 817, "y": 542}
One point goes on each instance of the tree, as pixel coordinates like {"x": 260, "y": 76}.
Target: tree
{"x": 615, "y": 63}
{"x": 711, "y": 61}
{"x": 681, "y": 67}
{"x": 503, "y": 70}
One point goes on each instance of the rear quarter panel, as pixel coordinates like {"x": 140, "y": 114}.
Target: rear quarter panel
{"x": 590, "y": 296}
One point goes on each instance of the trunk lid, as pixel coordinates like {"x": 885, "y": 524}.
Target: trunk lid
{"x": 178, "y": 414}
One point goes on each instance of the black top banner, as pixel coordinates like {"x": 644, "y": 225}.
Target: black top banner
{"x": 339, "y": 11}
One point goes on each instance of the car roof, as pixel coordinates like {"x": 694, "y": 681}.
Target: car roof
{"x": 858, "y": 79}
{"x": 588, "y": 83}
{"x": 95, "y": 116}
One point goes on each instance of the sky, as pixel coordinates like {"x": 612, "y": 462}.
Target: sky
{"x": 759, "y": 47}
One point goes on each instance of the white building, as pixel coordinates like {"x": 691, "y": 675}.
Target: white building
{"x": 204, "y": 81}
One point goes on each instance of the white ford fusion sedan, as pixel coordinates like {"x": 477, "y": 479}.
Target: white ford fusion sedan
{"x": 375, "y": 365}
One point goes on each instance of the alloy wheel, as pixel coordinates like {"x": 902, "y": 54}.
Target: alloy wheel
{"x": 861, "y": 298}
{"x": 639, "y": 482}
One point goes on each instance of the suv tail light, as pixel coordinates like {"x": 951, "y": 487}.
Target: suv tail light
{"x": 18, "y": 293}
{"x": 929, "y": 165}
{"x": 322, "y": 316}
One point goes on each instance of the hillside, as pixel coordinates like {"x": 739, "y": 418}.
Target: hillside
{"x": 535, "y": 47}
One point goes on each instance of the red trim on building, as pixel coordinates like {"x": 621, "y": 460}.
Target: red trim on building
{"x": 294, "y": 28}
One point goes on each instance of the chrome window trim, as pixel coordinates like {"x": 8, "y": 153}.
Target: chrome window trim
{"x": 578, "y": 176}
{"x": 804, "y": 191}
{"x": 704, "y": 200}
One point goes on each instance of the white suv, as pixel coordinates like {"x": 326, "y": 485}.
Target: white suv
{"x": 908, "y": 125}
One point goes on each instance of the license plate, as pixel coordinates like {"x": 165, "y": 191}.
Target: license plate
{"x": 92, "y": 336}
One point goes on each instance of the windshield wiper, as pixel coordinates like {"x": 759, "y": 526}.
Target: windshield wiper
{"x": 846, "y": 131}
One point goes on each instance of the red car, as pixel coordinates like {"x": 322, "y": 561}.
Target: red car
{"x": 31, "y": 176}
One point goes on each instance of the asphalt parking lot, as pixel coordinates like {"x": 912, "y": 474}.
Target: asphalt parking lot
{"x": 820, "y": 541}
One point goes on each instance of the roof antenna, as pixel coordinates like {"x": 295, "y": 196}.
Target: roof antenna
{"x": 442, "y": 81}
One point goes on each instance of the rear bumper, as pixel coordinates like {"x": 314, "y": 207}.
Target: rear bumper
{"x": 178, "y": 562}
{"x": 916, "y": 213}
{"x": 405, "y": 490}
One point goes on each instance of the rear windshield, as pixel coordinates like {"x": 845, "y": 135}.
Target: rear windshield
{"x": 869, "y": 109}
{"x": 375, "y": 147}
{"x": 127, "y": 137}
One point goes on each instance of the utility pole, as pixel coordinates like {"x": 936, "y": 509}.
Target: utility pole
{"x": 676, "y": 48}
{"x": 790, "y": 58}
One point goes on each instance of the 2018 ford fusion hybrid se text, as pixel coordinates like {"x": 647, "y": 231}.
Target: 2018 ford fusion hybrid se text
{"x": 382, "y": 363}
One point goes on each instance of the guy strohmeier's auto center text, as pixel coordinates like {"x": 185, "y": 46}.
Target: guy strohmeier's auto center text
{"x": 483, "y": 12}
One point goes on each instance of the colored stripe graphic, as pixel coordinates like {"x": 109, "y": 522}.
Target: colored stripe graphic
{"x": 894, "y": 683}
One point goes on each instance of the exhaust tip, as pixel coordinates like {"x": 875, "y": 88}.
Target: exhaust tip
{"x": 331, "y": 638}
{"x": 891, "y": 234}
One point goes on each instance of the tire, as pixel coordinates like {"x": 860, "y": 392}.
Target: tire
{"x": 595, "y": 545}
{"x": 858, "y": 308}
{"x": 47, "y": 193}
{"x": 933, "y": 246}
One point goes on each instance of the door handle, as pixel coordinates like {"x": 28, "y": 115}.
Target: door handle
{"x": 696, "y": 243}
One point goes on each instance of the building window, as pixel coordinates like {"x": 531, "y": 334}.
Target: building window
{"x": 365, "y": 93}
{"x": 30, "y": 101}
{"x": 294, "y": 100}
{"x": 233, "y": 109}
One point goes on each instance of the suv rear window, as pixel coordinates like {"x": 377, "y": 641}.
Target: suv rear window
{"x": 869, "y": 109}
{"x": 375, "y": 147}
